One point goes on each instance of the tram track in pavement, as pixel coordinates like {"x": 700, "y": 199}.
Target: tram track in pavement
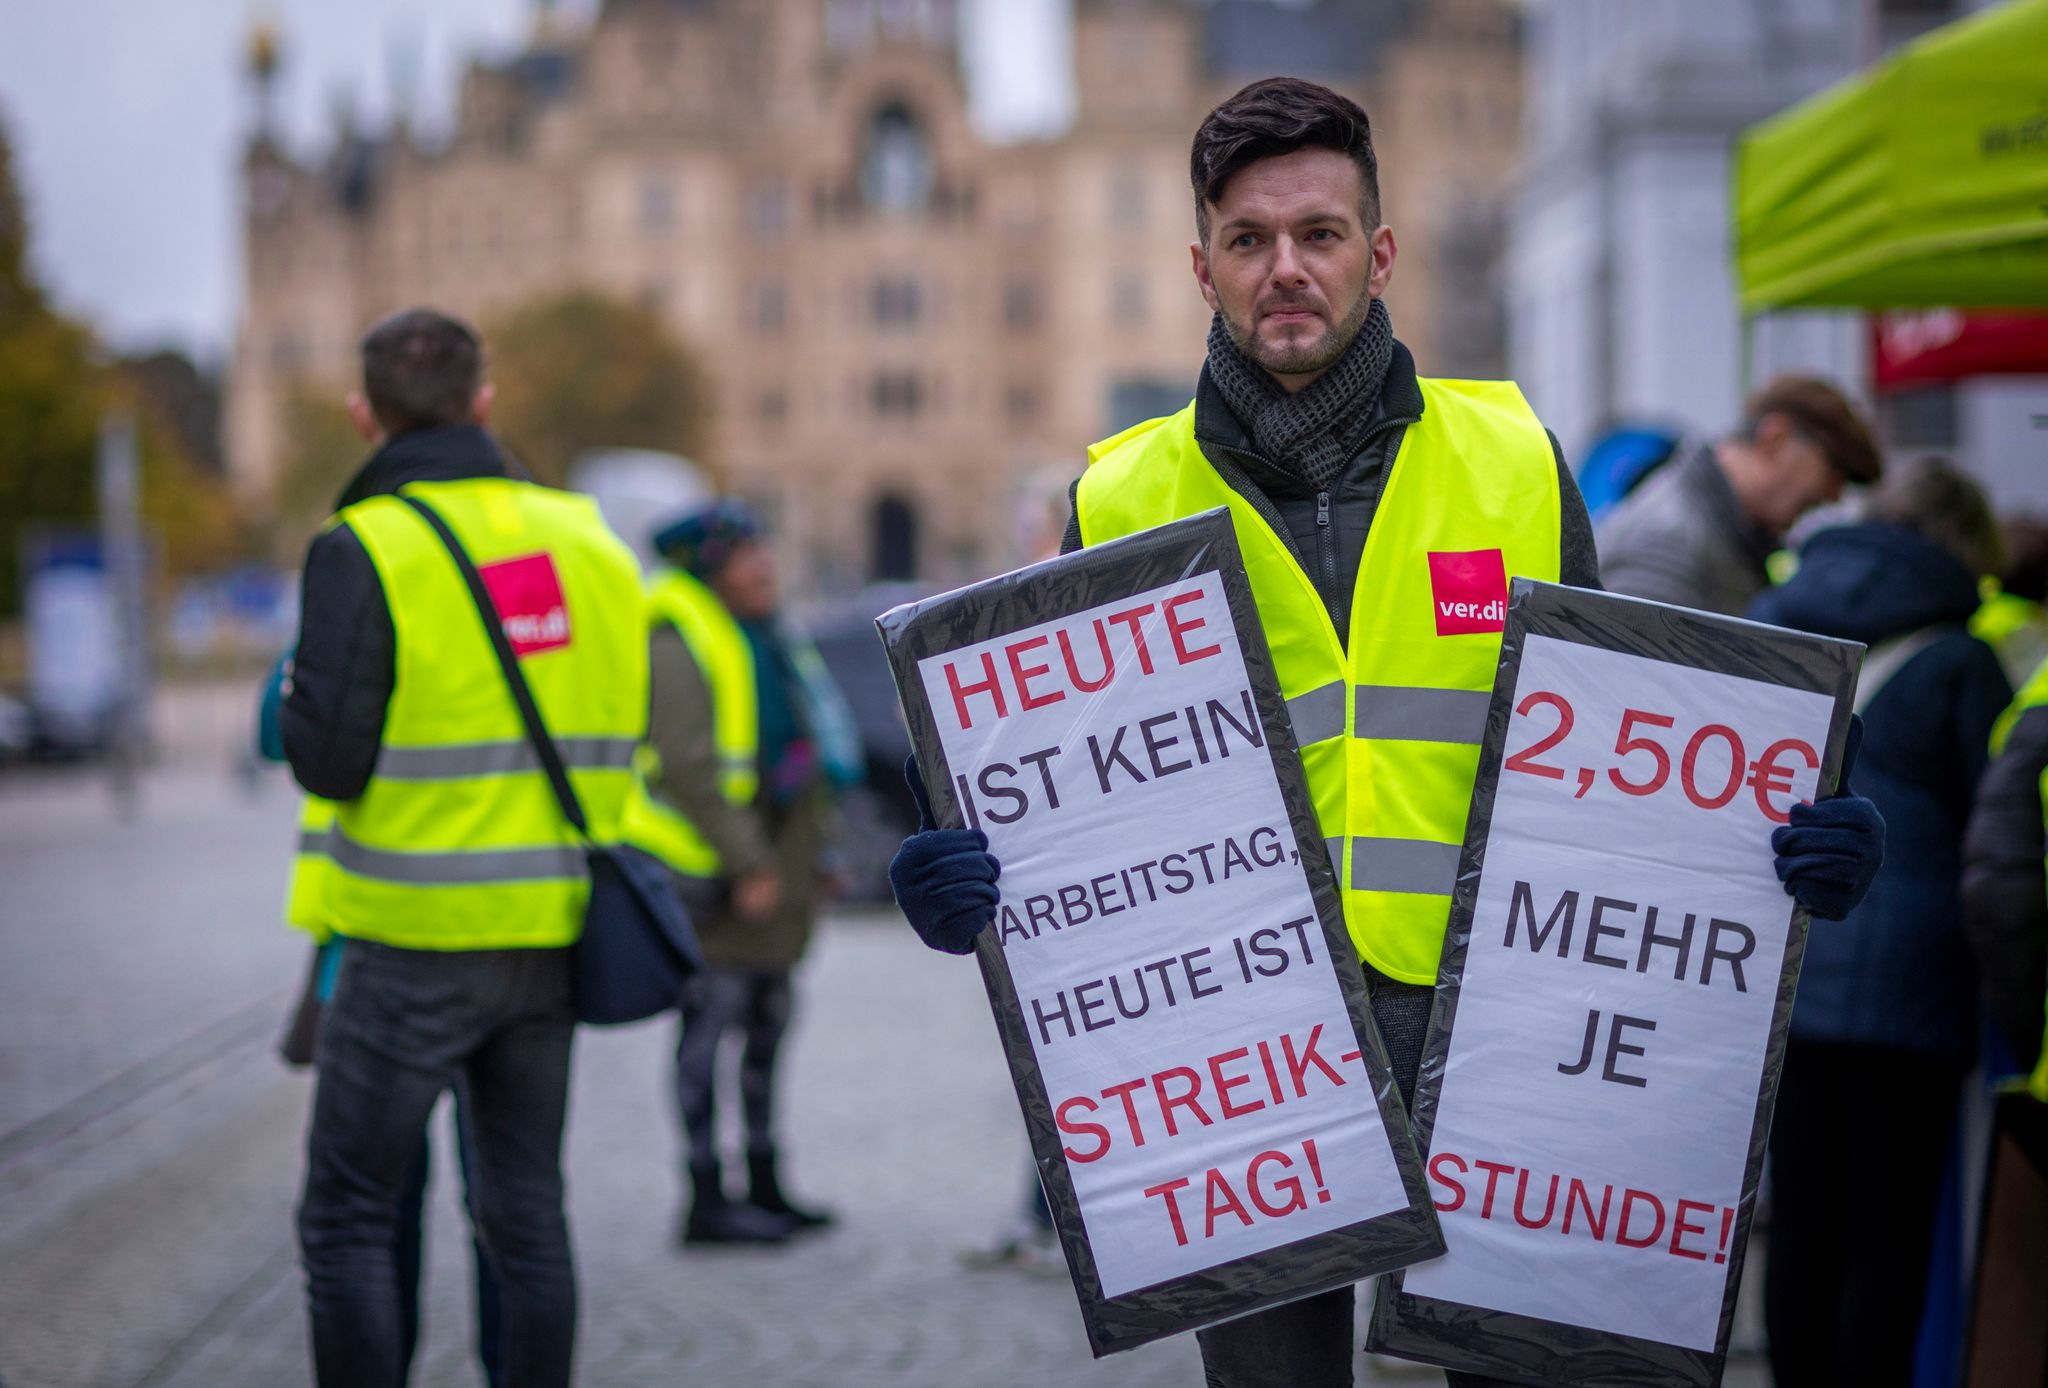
{"x": 111, "y": 1108}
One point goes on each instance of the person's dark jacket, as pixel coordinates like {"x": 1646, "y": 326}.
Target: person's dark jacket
{"x": 1897, "y": 972}
{"x": 341, "y": 676}
{"x": 1331, "y": 553}
{"x": 2005, "y": 897}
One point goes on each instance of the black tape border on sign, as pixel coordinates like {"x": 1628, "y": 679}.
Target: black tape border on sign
{"x": 1100, "y": 574}
{"x": 1525, "y": 1348}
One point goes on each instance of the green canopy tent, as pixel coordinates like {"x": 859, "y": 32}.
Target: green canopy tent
{"x": 1921, "y": 183}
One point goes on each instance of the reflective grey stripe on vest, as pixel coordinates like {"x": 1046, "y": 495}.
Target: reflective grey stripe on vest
{"x": 1318, "y": 715}
{"x": 1409, "y": 714}
{"x": 471, "y": 867}
{"x": 460, "y": 760}
{"x": 1403, "y": 865}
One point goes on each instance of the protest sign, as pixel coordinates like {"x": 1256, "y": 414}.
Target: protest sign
{"x": 1615, "y": 990}
{"x": 1208, "y": 1101}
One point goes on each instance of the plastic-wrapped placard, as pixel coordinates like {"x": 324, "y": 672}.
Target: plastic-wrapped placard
{"x": 1208, "y": 1100}
{"x": 1615, "y": 990}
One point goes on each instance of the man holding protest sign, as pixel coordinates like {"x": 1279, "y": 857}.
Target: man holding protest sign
{"x": 1380, "y": 515}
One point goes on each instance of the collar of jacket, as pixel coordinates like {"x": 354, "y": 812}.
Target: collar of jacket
{"x": 451, "y": 453}
{"x": 1399, "y": 404}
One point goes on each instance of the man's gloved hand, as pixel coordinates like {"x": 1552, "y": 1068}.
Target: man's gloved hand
{"x": 1830, "y": 853}
{"x": 944, "y": 879}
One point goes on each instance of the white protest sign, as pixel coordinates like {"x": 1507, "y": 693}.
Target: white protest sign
{"x": 1210, "y": 1088}
{"x": 1594, "y": 1141}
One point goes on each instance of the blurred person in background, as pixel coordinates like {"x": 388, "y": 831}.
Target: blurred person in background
{"x": 2005, "y": 888}
{"x": 450, "y": 871}
{"x": 1699, "y": 530}
{"x": 750, "y": 740}
{"x": 1311, "y": 423}
{"x": 1885, "y": 1023}
{"x": 2012, "y": 619}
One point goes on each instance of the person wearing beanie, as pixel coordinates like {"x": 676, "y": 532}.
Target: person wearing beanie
{"x": 749, "y": 742}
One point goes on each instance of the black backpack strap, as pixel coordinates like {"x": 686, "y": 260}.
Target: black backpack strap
{"x": 515, "y": 679}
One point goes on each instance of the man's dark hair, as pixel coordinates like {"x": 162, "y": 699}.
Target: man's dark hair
{"x": 1279, "y": 115}
{"x": 421, "y": 370}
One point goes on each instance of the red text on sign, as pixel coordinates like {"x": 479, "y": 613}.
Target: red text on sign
{"x": 1227, "y": 1085}
{"x": 1276, "y": 1183}
{"x": 1626, "y": 1217}
{"x": 1712, "y": 767}
{"x": 1035, "y": 671}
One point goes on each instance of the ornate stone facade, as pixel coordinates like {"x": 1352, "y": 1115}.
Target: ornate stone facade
{"x": 912, "y": 334}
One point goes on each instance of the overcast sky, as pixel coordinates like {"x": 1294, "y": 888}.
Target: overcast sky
{"x": 127, "y": 119}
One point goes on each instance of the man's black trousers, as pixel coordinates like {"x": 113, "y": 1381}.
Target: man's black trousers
{"x": 402, "y": 1027}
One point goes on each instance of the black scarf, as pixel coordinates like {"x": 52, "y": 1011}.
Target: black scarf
{"x": 1313, "y": 432}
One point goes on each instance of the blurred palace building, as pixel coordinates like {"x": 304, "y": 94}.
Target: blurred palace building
{"x": 911, "y": 332}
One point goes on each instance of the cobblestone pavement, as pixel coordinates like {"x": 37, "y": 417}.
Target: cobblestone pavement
{"x": 149, "y": 1146}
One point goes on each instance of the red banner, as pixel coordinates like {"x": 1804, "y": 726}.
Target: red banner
{"x": 1925, "y": 347}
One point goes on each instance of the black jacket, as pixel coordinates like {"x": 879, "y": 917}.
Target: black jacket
{"x": 2005, "y": 906}
{"x": 1897, "y": 972}
{"x": 341, "y": 675}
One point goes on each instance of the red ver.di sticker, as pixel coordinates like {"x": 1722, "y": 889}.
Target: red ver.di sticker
{"x": 1470, "y": 591}
{"x": 528, "y": 595}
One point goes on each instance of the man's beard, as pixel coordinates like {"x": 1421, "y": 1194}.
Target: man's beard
{"x": 1306, "y": 358}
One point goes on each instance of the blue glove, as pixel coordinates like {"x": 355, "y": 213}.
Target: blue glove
{"x": 944, "y": 879}
{"x": 1830, "y": 853}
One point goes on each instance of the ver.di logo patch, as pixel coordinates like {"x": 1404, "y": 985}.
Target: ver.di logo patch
{"x": 528, "y": 595}
{"x": 1469, "y": 589}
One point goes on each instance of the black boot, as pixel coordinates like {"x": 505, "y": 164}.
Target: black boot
{"x": 764, "y": 1192}
{"x": 715, "y": 1219}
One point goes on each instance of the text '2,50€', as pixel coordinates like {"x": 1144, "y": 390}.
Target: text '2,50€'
{"x": 1713, "y": 767}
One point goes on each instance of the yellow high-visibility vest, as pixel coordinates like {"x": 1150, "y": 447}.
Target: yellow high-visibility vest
{"x": 458, "y": 842}
{"x": 1389, "y": 723}
{"x": 305, "y": 902}
{"x": 726, "y": 661}
{"x": 2033, "y": 694}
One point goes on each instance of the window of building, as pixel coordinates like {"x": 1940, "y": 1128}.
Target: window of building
{"x": 771, "y": 305}
{"x": 1020, "y": 303}
{"x": 657, "y": 207}
{"x": 894, "y": 301}
{"x": 892, "y": 527}
{"x": 896, "y": 395}
{"x": 1127, "y": 300}
{"x": 768, "y": 209}
{"x": 1923, "y": 418}
{"x": 1020, "y": 403}
{"x": 1127, "y": 199}
{"x": 772, "y": 406}
{"x": 896, "y": 161}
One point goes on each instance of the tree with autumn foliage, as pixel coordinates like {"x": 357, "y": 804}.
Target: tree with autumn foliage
{"x": 584, "y": 371}
{"x": 55, "y": 386}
